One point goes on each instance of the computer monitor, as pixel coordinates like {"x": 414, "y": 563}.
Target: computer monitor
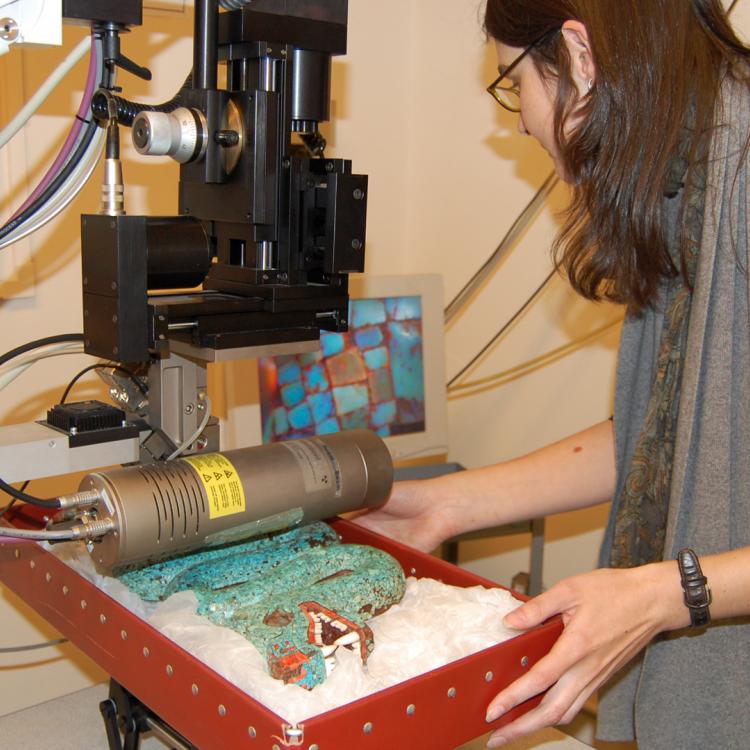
{"x": 387, "y": 373}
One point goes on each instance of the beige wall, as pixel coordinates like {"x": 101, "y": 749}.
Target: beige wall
{"x": 448, "y": 174}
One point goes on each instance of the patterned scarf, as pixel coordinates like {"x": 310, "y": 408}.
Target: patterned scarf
{"x": 641, "y": 519}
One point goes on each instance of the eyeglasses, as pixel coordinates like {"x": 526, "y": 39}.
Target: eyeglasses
{"x": 503, "y": 90}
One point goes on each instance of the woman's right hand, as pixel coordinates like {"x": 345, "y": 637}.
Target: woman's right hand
{"x": 413, "y": 515}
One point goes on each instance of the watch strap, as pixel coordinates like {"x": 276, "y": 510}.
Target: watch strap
{"x": 696, "y": 592}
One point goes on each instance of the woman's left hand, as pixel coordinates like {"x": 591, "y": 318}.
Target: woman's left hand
{"x": 609, "y": 616}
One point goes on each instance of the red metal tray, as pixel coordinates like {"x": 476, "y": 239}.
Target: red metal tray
{"x": 438, "y": 710}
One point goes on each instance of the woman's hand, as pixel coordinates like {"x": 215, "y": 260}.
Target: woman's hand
{"x": 411, "y": 515}
{"x": 609, "y": 616}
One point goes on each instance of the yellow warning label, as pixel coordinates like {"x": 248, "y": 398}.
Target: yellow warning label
{"x": 226, "y": 496}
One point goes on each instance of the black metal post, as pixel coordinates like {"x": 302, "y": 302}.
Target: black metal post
{"x": 205, "y": 54}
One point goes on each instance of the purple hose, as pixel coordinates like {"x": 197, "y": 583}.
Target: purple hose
{"x": 67, "y": 147}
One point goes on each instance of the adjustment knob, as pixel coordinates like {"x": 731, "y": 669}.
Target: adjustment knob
{"x": 180, "y": 134}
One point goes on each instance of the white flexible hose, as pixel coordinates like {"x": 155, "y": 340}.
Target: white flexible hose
{"x": 70, "y": 347}
{"x": 44, "y": 91}
{"x": 67, "y": 192}
{"x": 202, "y": 426}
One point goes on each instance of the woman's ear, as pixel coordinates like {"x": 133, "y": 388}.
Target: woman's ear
{"x": 581, "y": 61}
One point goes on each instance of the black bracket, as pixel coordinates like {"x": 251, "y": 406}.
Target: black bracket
{"x": 126, "y": 718}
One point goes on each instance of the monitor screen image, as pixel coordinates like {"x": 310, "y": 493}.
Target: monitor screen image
{"x": 369, "y": 377}
{"x": 386, "y": 373}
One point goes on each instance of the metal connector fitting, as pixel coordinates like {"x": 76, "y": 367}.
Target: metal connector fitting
{"x": 93, "y": 529}
{"x": 79, "y": 499}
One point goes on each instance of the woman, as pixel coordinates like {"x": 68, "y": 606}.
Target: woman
{"x": 644, "y": 107}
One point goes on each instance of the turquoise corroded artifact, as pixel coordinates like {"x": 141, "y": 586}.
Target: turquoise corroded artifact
{"x": 297, "y": 596}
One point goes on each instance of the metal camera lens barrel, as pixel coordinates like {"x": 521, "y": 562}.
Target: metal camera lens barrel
{"x": 166, "y": 508}
{"x": 311, "y": 86}
{"x": 178, "y": 252}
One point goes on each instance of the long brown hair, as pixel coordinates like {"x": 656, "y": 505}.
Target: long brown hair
{"x": 659, "y": 65}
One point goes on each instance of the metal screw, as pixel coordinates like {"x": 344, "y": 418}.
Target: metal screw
{"x": 329, "y": 166}
{"x": 452, "y": 692}
{"x": 17, "y": 554}
{"x": 170, "y": 670}
{"x": 356, "y": 244}
{"x": 48, "y": 577}
{"x": 8, "y": 29}
{"x": 313, "y": 747}
{"x": 32, "y": 565}
{"x": 524, "y": 661}
{"x": 83, "y": 604}
{"x": 146, "y": 652}
{"x": 251, "y": 732}
{"x": 102, "y": 619}
{"x": 65, "y": 590}
{"x": 413, "y": 571}
{"x": 114, "y": 319}
{"x": 124, "y": 635}
{"x": 367, "y": 728}
{"x": 358, "y": 194}
{"x": 488, "y": 677}
{"x": 189, "y": 408}
{"x": 194, "y": 689}
{"x": 222, "y": 710}
{"x": 114, "y": 285}
{"x": 410, "y": 709}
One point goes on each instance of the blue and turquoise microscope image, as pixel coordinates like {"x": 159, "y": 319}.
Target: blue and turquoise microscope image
{"x": 369, "y": 377}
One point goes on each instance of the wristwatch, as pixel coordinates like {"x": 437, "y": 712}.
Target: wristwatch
{"x": 697, "y": 594}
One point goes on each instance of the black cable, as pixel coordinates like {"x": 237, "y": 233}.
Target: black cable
{"x": 59, "y": 179}
{"x": 102, "y": 366}
{"x": 14, "y": 500}
{"x": 12, "y": 354}
{"x": 505, "y": 327}
{"x": 20, "y": 495}
{"x": 54, "y": 185}
{"x": 519, "y": 222}
{"x": 127, "y": 111}
{"x": 59, "y": 338}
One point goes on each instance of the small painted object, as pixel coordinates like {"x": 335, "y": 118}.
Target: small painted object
{"x": 296, "y": 596}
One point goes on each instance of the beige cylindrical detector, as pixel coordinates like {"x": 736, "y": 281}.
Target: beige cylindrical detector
{"x": 159, "y": 510}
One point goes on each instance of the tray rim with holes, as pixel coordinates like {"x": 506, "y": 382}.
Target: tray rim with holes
{"x": 437, "y": 710}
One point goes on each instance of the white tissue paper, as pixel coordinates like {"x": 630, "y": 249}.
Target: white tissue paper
{"x": 433, "y": 625}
